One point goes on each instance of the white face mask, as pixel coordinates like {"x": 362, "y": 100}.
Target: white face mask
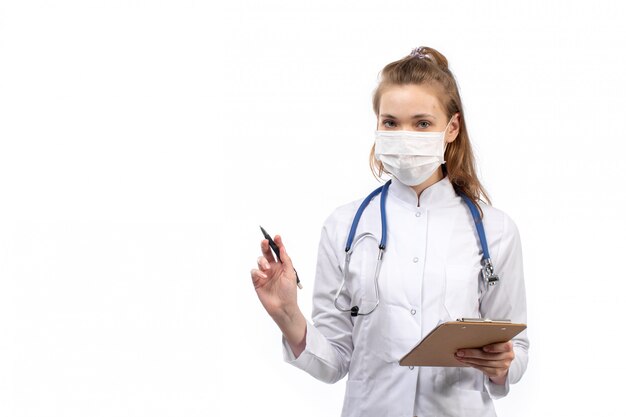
{"x": 411, "y": 157}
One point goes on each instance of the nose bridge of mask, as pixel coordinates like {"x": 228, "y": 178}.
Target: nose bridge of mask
{"x": 411, "y": 143}
{"x": 403, "y": 143}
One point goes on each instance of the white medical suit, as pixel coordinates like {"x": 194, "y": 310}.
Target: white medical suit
{"x": 430, "y": 274}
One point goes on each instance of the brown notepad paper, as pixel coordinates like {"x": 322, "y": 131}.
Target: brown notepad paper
{"x": 439, "y": 346}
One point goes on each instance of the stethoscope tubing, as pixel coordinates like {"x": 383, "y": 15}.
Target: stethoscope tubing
{"x": 489, "y": 276}
{"x": 382, "y": 190}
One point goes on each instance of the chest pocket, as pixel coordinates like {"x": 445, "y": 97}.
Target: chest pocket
{"x": 462, "y": 292}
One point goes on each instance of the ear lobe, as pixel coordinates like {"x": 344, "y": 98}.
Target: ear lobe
{"x": 452, "y": 137}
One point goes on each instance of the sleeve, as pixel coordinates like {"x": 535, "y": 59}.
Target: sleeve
{"x": 329, "y": 339}
{"x": 507, "y": 299}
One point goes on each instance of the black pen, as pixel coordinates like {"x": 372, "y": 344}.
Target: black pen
{"x": 277, "y": 253}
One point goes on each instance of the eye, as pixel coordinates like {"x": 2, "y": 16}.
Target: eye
{"x": 389, "y": 124}
{"x": 423, "y": 124}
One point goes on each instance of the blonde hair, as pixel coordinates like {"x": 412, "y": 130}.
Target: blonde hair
{"x": 426, "y": 66}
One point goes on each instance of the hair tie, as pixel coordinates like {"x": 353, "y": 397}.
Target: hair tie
{"x": 418, "y": 52}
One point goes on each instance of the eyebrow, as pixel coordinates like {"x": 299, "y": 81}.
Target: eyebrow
{"x": 390, "y": 116}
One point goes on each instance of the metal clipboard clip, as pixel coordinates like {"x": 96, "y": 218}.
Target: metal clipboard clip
{"x": 483, "y": 320}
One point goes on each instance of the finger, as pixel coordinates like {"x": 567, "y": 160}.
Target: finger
{"x": 471, "y": 353}
{"x": 285, "y": 259}
{"x": 479, "y": 354}
{"x": 492, "y": 372}
{"x": 267, "y": 251}
{"x": 263, "y": 264}
{"x": 257, "y": 277}
{"x": 255, "y": 273}
{"x": 499, "y": 347}
{"x": 485, "y": 363}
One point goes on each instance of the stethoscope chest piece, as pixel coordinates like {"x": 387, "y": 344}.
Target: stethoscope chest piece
{"x": 489, "y": 275}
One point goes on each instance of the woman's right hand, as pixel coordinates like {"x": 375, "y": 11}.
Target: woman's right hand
{"x": 275, "y": 284}
{"x": 275, "y": 281}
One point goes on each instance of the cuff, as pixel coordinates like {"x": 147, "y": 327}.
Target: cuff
{"x": 318, "y": 358}
{"x": 496, "y": 391}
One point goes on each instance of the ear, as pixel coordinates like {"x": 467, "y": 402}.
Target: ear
{"x": 454, "y": 127}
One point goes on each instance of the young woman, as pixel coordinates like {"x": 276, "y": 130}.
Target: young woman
{"x": 369, "y": 313}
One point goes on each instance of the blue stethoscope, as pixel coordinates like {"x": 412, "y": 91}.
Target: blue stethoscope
{"x": 488, "y": 274}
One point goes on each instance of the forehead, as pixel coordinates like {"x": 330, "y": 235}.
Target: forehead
{"x": 406, "y": 100}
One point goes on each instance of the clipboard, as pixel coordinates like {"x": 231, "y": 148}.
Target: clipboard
{"x": 439, "y": 346}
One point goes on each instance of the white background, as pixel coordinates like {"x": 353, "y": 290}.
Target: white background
{"x": 143, "y": 142}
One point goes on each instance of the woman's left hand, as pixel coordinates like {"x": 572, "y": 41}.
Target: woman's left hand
{"x": 493, "y": 360}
